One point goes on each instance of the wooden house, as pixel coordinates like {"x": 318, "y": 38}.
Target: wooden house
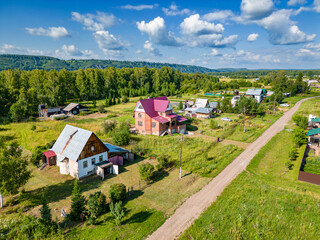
{"x": 155, "y": 116}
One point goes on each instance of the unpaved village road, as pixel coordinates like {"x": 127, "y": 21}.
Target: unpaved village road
{"x": 191, "y": 209}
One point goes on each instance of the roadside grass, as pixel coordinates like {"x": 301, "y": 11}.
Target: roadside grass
{"x": 269, "y": 202}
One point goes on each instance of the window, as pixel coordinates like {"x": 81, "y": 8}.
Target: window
{"x": 93, "y": 161}
{"x": 139, "y": 123}
{"x": 173, "y": 123}
{"x": 140, "y": 115}
{"x": 85, "y": 164}
{"x": 92, "y": 148}
{"x": 154, "y": 125}
{"x": 100, "y": 158}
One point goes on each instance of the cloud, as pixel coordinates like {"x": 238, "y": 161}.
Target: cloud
{"x": 173, "y": 10}
{"x": 139, "y": 7}
{"x": 194, "y": 26}
{"x": 213, "y": 40}
{"x": 108, "y": 42}
{"x": 95, "y": 22}
{"x": 11, "y": 49}
{"x": 214, "y": 52}
{"x": 242, "y": 56}
{"x": 315, "y": 46}
{"x": 253, "y": 37}
{"x": 296, "y": 2}
{"x": 153, "y": 51}
{"x": 283, "y": 31}
{"x": 70, "y": 51}
{"x": 316, "y": 4}
{"x": 158, "y": 33}
{"x": 256, "y": 9}
{"x": 218, "y": 15}
{"x": 53, "y": 32}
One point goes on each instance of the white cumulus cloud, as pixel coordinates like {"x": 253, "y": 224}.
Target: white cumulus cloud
{"x": 253, "y": 37}
{"x": 107, "y": 41}
{"x": 213, "y": 40}
{"x": 282, "y": 30}
{"x": 296, "y": 2}
{"x": 95, "y": 22}
{"x": 153, "y": 51}
{"x": 53, "y": 32}
{"x": 70, "y": 51}
{"x": 193, "y": 25}
{"x": 218, "y": 15}
{"x": 173, "y": 10}
{"x": 158, "y": 32}
{"x": 256, "y": 9}
{"x": 11, "y": 49}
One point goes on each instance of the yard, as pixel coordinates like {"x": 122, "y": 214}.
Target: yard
{"x": 270, "y": 201}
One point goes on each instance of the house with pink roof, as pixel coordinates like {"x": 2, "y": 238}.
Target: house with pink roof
{"x": 155, "y": 116}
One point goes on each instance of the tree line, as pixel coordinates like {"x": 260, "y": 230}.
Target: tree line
{"x": 22, "y": 91}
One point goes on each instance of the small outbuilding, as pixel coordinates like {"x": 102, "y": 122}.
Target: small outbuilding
{"x": 49, "y": 157}
{"x": 74, "y": 109}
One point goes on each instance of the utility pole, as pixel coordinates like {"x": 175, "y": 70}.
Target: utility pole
{"x": 180, "y": 158}
{"x": 274, "y": 104}
{"x": 244, "y": 118}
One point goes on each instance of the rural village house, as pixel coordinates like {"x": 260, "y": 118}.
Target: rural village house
{"x": 155, "y": 116}
{"x": 74, "y": 109}
{"x": 81, "y": 153}
{"x": 257, "y": 94}
{"x": 201, "y": 109}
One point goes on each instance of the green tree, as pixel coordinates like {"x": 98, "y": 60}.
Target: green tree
{"x": 180, "y": 105}
{"x": 117, "y": 192}
{"x": 213, "y": 124}
{"x": 293, "y": 154}
{"x": 121, "y": 134}
{"x": 77, "y": 203}
{"x": 14, "y": 171}
{"x": 101, "y": 108}
{"x": 45, "y": 212}
{"x": 118, "y": 212}
{"x": 301, "y": 121}
{"x": 146, "y": 171}
{"x": 96, "y": 205}
{"x": 299, "y": 137}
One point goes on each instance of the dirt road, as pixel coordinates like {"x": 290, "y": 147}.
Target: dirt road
{"x": 199, "y": 202}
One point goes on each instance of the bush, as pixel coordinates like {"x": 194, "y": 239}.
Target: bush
{"x": 108, "y": 126}
{"x": 118, "y": 211}
{"x": 213, "y": 124}
{"x": 121, "y": 134}
{"x": 164, "y": 163}
{"x": 101, "y": 108}
{"x": 301, "y": 121}
{"x": 96, "y": 205}
{"x": 36, "y": 156}
{"x": 125, "y": 99}
{"x": 289, "y": 164}
{"x": 293, "y": 154}
{"x": 33, "y": 127}
{"x": 117, "y": 192}
{"x": 299, "y": 137}
{"x": 46, "y": 217}
{"x": 180, "y": 106}
{"x": 146, "y": 171}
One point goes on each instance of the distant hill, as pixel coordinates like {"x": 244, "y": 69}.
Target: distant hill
{"x": 27, "y": 62}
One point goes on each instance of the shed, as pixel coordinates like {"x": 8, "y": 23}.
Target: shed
{"x": 204, "y": 112}
{"x": 105, "y": 168}
{"x": 116, "y": 160}
{"x": 49, "y": 157}
{"x": 119, "y": 151}
{"x": 74, "y": 109}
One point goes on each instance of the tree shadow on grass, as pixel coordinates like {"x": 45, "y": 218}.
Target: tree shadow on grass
{"x": 138, "y": 217}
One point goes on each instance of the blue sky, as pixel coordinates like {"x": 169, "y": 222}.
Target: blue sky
{"x": 253, "y": 34}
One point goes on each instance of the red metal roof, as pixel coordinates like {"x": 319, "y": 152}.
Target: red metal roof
{"x": 49, "y": 154}
{"x": 160, "y": 105}
{"x": 160, "y": 119}
{"x": 172, "y": 115}
{"x": 153, "y": 105}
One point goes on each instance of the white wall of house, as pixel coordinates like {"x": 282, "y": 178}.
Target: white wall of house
{"x": 90, "y": 169}
{"x": 258, "y": 98}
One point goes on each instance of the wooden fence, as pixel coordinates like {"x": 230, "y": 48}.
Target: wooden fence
{"x": 304, "y": 176}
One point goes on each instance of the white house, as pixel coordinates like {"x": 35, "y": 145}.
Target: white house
{"x": 258, "y": 94}
{"x": 81, "y": 153}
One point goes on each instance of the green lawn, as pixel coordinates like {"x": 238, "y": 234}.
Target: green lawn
{"x": 270, "y": 203}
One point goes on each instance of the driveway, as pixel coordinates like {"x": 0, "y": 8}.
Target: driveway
{"x": 191, "y": 209}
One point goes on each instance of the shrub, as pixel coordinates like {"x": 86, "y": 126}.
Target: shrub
{"x": 77, "y": 204}
{"x": 289, "y": 164}
{"x": 118, "y": 211}
{"x": 299, "y": 137}
{"x": 293, "y": 154}
{"x": 108, "y": 126}
{"x": 101, "y": 108}
{"x": 213, "y": 124}
{"x": 36, "y": 156}
{"x": 33, "y": 127}
{"x": 164, "y": 162}
{"x": 301, "y": 121}
{"x": 96, "y": 205}
{"x": 117, "y": 192}
{"x": 45, "y": 212}
{"x": 125, "y": 99}
{"x": 121, "y": 134}
{"x": 146, "y": 171}
{"x": 180, "y": 105}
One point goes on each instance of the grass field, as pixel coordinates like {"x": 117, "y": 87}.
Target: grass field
{"x": 270, "y": 203}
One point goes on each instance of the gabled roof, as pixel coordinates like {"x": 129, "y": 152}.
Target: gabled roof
{"x": 201, "y": 102}
{"x": 49, "y": 154}
{"x": 71, "y": 142}
{"x": 254, "y": 92}
{"x": 315, "y": 119}
{"x": 203, "y": 110}
{"x": 153, "y": 105}
{"x": 71, "y": 106}
{"x": 213, "y": 104}
{"x": 313, "y": 132}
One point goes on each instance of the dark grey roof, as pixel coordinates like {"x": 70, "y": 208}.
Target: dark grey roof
{"x": 70, "y": 106}
{"x": 71, "y": 142}
{"x": 113, "y": 148}
{"x": 203, "y": 110}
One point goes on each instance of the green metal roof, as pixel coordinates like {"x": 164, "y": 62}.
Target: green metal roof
{"x": 316, "y": 119}
{"x": 313, "y": 132}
